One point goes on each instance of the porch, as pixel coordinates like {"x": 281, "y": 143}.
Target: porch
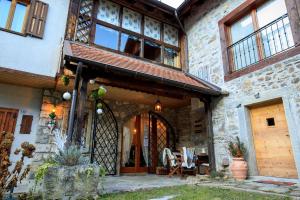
{"x": 130, "y": 135}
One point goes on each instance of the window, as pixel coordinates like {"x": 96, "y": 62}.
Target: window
{"x": 152, "y": 51}
{"x": 261, "y": 33}
{"x": 171, "y": 57}
{"x": 13, "y": 14}
{"x": 130, "y": 45}
{"x": 127, "y": 31}
{"x": 106, "y": 37}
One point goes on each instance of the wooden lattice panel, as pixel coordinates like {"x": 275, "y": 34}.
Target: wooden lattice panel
{"x": 84, "y": 22}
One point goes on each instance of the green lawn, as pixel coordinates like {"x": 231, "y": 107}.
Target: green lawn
{"x": 190, "y": 192}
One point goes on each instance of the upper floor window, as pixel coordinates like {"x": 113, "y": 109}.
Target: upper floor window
{"x": 23, "y": 17}
{"x": 13, "y": 14}
{"x": 127, "y": 31}
{"x": 257, "y": 30}
{"x": 262, "y": 33}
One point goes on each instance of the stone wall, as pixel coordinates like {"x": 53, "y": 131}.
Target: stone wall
{"x": 230, "y": 117}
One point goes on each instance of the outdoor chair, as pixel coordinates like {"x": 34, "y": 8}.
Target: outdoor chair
{"x": 173, "y": 161}
{"x": 188, "y": 161}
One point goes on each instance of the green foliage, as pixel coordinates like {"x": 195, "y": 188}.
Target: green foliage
{"x": 102, "y": 172}
{"x": 237, "y": 149}
{"x": 65, "y": 80}
{"x": 98, "y": 94}
{"x": 99, "y": 105}
{"x": 89, "y": 172}
{"x": 42, "y": 169}
{"x": 52, "y": 115}
{"x": 214, "y": 174}
{"x": 185, "y": 192}
{"x": 69, "y": 157}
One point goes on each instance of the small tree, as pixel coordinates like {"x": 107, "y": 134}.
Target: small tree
{"x": 9, "y": 179}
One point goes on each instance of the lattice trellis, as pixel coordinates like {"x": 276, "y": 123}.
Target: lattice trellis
{"x": 84, "y": 22}
{"x": 105, "y": 140}
{"x": 165, "y": 137}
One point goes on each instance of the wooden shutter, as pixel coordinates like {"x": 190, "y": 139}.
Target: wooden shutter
{"x": 37, "y": 18}
{"x": 26, "y": 124}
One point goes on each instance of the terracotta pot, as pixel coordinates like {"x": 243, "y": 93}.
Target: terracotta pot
{"x": 239, "y": 168}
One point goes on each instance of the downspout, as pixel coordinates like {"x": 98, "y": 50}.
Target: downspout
{"x": 186, "y": 50}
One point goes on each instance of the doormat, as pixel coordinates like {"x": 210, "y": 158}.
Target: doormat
{"x": 279, "y": 183}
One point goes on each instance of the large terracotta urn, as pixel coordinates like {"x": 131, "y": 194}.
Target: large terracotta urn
{"x": 239, "y": 169}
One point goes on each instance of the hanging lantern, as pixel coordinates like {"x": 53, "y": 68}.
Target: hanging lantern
{"x": 92, "y": 81}
{"x": 67, "y": 95}
{"x": 157, "y": 106}
{"x": 99, "y": 111}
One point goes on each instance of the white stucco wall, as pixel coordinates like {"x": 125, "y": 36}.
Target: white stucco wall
{"x": 28, "y": 101}
{"x": 38, "y": 56}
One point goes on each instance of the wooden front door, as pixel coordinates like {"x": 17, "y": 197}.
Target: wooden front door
{"x": 8, "y": 120}
{"x": 272, "y": 143}
{"x": 143, "y": 140}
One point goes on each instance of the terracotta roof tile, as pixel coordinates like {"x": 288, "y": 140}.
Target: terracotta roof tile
{"x": 117, "y": 60}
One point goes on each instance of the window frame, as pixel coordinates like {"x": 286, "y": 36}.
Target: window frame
{"x": 11, "y": 15}
{"x": 141, "y": 36}
{"x": 249, "y": 8}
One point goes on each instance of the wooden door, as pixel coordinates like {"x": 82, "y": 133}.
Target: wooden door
{"x": 8, "y": 119}
{"x": 272, "y": 143}
{"x": 136, "y": 161}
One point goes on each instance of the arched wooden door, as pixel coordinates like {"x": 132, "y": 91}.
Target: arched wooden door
{"x": 105, "y": 139}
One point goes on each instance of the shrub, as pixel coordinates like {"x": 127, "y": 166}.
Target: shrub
{"x": 237, "y": 149}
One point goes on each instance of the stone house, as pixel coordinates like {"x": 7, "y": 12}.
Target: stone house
{"x": 251, "y": 50}
{"x": 196, "y": 76}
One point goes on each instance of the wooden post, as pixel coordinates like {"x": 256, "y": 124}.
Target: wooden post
{"x": 209, "y": 127}
{"x": 73, "y": 104}
{"x": 81, "y": 111}
{"x": 154, "y": 144}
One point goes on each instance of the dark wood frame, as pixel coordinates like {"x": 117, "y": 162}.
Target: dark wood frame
{"x": 244, "y": 9}
{"x": 141, "y": 35}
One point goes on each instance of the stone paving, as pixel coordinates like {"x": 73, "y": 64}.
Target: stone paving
{"x": 133, "y": 183}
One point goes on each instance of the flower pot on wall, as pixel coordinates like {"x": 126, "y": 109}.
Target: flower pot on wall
{"x": 239, "y": 168}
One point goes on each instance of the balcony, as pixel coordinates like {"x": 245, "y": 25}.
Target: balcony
{"x": 268, "y": 41}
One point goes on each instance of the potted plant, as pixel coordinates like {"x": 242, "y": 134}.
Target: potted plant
{"x": 239, "y": 167}
{"x": 66, "y": 174}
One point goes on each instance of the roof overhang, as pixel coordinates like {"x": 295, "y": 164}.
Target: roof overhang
{"x": 103, "y": 62}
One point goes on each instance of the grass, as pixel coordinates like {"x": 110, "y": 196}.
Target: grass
{"x": 191, "y": 192}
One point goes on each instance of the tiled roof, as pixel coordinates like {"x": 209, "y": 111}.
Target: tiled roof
{"x": 98, "y": 55}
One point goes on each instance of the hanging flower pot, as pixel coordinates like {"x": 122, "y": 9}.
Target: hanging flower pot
{"x": 99, "y": 111}
{"x": 67, "y": 96}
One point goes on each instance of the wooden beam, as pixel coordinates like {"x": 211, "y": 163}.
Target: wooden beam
{"x": 81, "y": 111}
{"x": 73, "y": 104}
{"x": 209, "y": 127}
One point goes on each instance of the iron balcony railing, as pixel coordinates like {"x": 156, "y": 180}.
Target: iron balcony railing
{"x": 267, "y": 41}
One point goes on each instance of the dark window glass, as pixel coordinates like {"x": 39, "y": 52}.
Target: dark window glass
{"x": 171, "y": 57}
{"x": 130, "y": 44}
{"x": 152, "y": 51}
{"x": 106, "y": 37}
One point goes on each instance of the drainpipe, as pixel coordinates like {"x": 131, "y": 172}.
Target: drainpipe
{"x": 186, "y": 42}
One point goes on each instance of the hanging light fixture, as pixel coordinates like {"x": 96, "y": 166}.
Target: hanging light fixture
{"x": 157, "y": 106}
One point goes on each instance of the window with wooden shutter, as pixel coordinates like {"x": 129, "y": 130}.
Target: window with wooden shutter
{"x": 26, "y": 124}
{"x": 37, "y": 18}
